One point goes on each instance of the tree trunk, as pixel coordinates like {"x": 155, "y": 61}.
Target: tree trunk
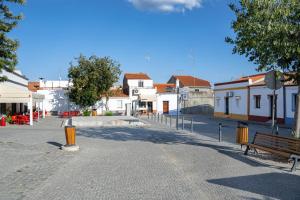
{"x": 297, "y": 115}
{"x": 106, "y": 103}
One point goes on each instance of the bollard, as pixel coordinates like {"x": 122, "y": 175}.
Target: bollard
{"x": 182, "y": 122}
{"x": 166, "y": 120}
{"x": 192, "y": 125}
{"x": 170, "y": 121}
{"x": 220, "y": 132}
{"x": 158, "y": 117}
{"x": 162, "y": 118}
{"x": 148, "y": 115}
{"x": 277, "y": 129}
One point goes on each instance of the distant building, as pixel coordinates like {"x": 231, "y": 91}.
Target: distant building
{"x": 139, "y": 88}
{"x": 248, "y": 98}
{"x": 166, "y": 98}
{"x": 198, "y": 95}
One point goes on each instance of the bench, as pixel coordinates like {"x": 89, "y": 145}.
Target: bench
{"x": 278, "y": 145}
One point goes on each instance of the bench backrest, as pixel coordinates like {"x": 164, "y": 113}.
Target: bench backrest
{"x": 285, "y": 144}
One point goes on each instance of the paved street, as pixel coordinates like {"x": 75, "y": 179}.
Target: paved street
{"x": 151, "y": 162}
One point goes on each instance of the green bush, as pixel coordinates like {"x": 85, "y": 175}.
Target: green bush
{"x": 108, "y": 113}
{"x": 8, "y": 119}
{"x": 86, "y": 113}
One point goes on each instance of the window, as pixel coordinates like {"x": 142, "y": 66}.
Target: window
{"x": 294, "y": 101}
{"x": 141, "y": 84}
{"x": 257, "y": 101}
{"x": 119, "y": 104}
{"x": 197, "y": 90}
{"x": 142, "y": 104}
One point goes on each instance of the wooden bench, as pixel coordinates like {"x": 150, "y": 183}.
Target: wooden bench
{"x": 278, "y": 145}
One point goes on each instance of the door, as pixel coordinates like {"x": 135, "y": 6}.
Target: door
{"x": 166, "y": 107}
{"x": 226, "y": 105}
{"x": 149, "y": 107}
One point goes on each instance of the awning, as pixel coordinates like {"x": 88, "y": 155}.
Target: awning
{"x": 10, "y": 94}
{"x": 147, "y": 98}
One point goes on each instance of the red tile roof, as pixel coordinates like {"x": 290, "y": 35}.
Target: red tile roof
{"x": 187, "y": 81}
{"x": 137, "y": 76}
{"x": 254, "y": 78}
{"x": 117, "y": 93}
{"x": 163, "y": 87}
{"x": 33, "y": 86}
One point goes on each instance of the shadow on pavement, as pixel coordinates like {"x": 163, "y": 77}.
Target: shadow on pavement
{"x": 287, "y": 185}
{"x": 163, "y": 137}
{"x": 55, "y": 144}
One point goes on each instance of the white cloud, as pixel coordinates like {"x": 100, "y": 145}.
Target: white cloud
{"x": 166, "y": 5}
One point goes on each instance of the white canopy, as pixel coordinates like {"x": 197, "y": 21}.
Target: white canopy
{"x": 147, "y": 98}
{"x": 10, "y": 94}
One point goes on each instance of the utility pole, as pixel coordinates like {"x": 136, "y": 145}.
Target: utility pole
{"x": 297, "y": 114}
{"x": 178, "y": 100}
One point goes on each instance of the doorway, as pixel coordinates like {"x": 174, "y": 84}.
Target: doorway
{"x": 226, "y": 105}
{"x": 166, "y": 107}
{"x": 149, "y": 107}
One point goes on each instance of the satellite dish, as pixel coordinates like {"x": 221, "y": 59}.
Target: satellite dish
{"x": 273, "y": 80}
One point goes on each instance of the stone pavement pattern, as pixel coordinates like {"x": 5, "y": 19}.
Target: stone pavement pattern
{"x": 134, "y": 163}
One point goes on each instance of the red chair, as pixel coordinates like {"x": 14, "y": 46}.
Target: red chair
{"x": 23, "y": 119}
{"x": 14, "y": 119}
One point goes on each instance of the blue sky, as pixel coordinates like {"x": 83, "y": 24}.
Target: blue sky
{"x": 159, "y": 37}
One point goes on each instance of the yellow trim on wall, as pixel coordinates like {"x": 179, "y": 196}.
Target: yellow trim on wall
{"x": 231, "y": 116}
{"x": 236, "y": 88}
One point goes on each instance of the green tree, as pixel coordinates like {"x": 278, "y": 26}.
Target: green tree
{"x": 91, "y": 79}
{"x": 8, "y": 47}
{"x": 267, "y": 32}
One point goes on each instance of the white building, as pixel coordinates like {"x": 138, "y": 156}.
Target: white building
{"x": 16, "y": 98}
{"x": 139, "y": 88}
{"x": 166, "y": 98}
{"x": 248, "y": 98}
{"x": 56, "y": 100}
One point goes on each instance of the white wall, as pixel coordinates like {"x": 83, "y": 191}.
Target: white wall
{"x": 56, "y": 101}
{"x": 289, "y": 91}
{"x": 172, "y": 98}
{"x": 134, "y": 83}
{"x": 265, "y": 108}
{"x": 54, "y": 84}
{"x": 115, "y": 104}
{"x": 237, "y": 103}
{"x": 15, "y": 78}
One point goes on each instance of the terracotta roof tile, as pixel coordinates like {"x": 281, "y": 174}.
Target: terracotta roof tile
{"x": 163, "y": 87}
{"x": 137, "y": 76}
{"x": 33, "y": 86}
{"x": 192, "y": 81}
{"x": 118, "y": 93}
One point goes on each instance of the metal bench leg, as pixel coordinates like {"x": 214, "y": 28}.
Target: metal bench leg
{"x": 255, "y": 151}
{"x": 247, "y": 149}
{"x": 295, "y": 164}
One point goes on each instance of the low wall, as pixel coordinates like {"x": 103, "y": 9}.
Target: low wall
{"x": 101, "y": 121}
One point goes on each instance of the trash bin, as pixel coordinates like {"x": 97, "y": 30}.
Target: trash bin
{"x": 70, "y": 132}
{"x": 94, "y": 112}
{"x": 242, "y": 133}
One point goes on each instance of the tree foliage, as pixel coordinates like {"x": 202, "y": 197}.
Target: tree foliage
{"x": 268, "y": 33}
{"x": 8, "y": 47}
{"x": 91, "y": 79}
